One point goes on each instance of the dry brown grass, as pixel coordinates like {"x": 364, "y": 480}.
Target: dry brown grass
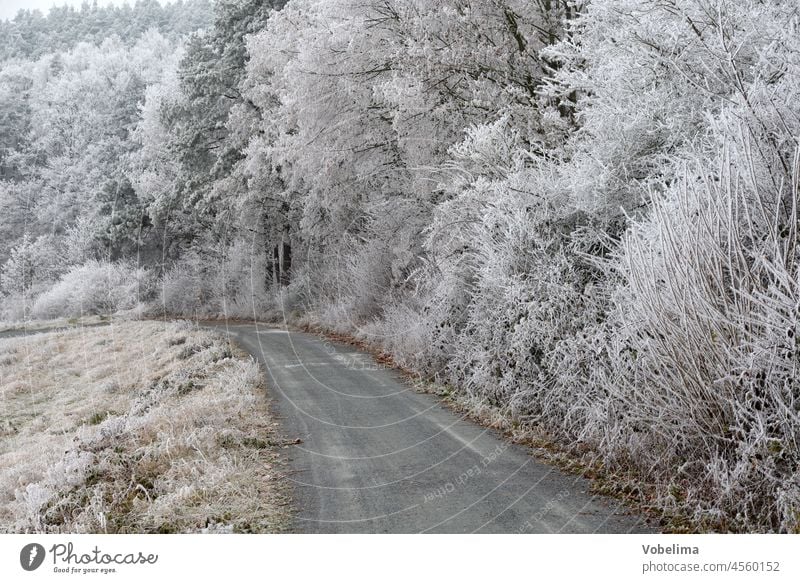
{"x": 137, "y": 427}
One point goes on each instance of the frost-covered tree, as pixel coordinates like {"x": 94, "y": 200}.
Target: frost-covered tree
{"x": 68, "y": 120}
{"x": 366, "y": 100}
{"x": 195, "y": 126}
{"x": 15, "y": 86}
{"x": 211, "y": 72}
{"x": 31, "y": 34}
{"x": 83, "y": 113}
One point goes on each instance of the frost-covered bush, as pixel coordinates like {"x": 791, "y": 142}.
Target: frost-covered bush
{"x": 14, "y": 308}
{"x": 183, "y": 288}
{"x": 520, "y": 293}
{"x": 33, "y": 266}
{"x": 231, "y": 282}
{"x": 421, "y": 324}
{"x": 356, "y": 288}
{"x": 96, "y": 287}
{"x": 706, "y": 352}
{"x": 33, "y": 263}
{"x": 239, "y": 283}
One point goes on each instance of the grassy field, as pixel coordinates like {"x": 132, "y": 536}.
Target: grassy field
{"x": 136, "y": 427}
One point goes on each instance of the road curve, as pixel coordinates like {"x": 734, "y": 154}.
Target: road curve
{"x": 377, "y": 457}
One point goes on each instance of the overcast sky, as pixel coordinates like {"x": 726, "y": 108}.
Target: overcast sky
{"x": 8, "y": 8}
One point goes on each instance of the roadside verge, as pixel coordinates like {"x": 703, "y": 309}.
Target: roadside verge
{"x": 137, "y": 427}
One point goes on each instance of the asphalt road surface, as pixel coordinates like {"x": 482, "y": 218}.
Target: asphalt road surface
{"x": 376, "y": 456}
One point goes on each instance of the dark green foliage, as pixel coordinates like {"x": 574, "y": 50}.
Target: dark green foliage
{"x": 211, "y": 75}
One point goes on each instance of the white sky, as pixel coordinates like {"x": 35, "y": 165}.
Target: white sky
{"x": 8, "y": 8}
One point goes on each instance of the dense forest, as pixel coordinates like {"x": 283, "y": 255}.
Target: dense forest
{"x": 31, "y": 34}
{"x": 580, "y": 213}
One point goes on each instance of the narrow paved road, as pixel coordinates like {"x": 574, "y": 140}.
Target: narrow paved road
{"x": 378, "y": 457}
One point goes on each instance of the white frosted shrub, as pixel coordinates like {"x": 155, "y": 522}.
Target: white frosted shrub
{"x": 238, "y": 281}
{"x": 32, "y": 267}
{"x": 348, "y": 286}
{"x": 706, "y": 352}
{"x": 183, "y": 289}
{"x": 525, "y": 301}
{"x": 15, "y": 308}
{"x": 447, "y": 279}
{"x": 230, "y": 282}
{"x": 359, "y": 285}
{"x": 404, "y": 332}
{"x": 505, "y": 292}
{"x": 94, "y": 288}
